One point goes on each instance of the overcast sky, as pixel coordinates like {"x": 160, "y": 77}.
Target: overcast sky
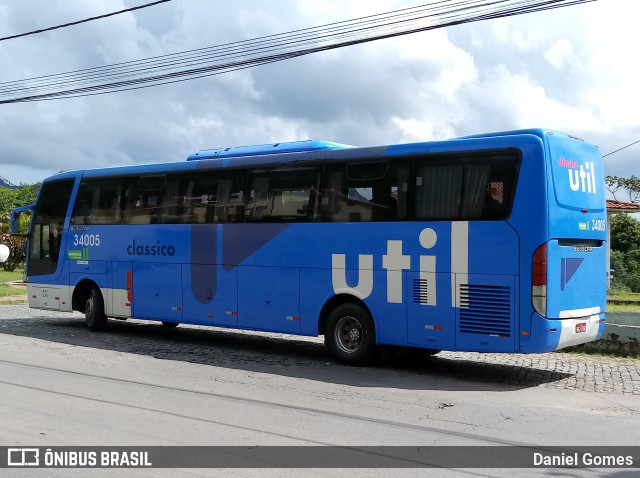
{"x": 574, "y": 69}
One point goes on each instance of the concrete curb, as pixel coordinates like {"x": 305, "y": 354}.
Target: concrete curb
{"x": 621, "y": 334}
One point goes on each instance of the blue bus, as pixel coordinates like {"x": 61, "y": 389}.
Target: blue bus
{"x": 493, "y": 243}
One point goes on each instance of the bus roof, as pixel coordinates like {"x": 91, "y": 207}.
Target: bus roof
{"x": 264, "y": 149}
{"x": 298, "y": 150}
{"x": 540, "y": 132}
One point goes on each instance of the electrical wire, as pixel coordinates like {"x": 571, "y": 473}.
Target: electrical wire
{"x": 624, "y": 147}
{"x": 218, "y": 59}
{"x": 65, "y": 25}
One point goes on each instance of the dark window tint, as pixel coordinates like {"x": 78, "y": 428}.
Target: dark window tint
{"x": 151, "y": 200}
{"x": 152, "y": 183}
{"x": 100, "y": 201}
{"x": 367, "y": 171}
{"x": 47, "y": 228}
{"x": 282, "y": 195}
{"x": 465, "y": 187}
{"x": 438, "y": 191}
{"x": 369, "y": 191}
{"x": 212, "y": 198}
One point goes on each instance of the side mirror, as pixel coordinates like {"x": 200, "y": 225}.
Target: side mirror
{"x": 21, "y": 221}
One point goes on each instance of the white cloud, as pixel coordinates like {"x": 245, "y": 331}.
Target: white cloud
{"x": 614, "y": 72}
{"x": 571, "y": 69}
{"x": 561, "y": 55}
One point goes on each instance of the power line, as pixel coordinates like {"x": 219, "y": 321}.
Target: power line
{"x": 624, "y": 147}
{"x": 215, "y": 60}
{"x": 84, "y": 21}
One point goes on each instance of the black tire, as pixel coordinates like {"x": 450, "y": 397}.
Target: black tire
{"x": 350, "y": 335}
{"x": 94, "y": 311}
{"x": 170, "y": 325}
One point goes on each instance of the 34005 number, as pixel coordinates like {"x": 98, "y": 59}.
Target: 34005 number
{"x": 86, "y": 239}
{"x": 598, "y": 224}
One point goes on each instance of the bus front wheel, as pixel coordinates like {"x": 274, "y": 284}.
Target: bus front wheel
{"x": 350, "y": 335}
{"x": 94, "y": 310}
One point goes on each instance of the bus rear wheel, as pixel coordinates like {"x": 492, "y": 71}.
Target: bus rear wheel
{"x": 94, "y": 310}
{"x": 350, "y": 335}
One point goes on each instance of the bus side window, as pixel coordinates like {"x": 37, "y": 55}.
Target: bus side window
{"x": 500, "y": 189}
{"x": 212, "y": 197}
{"x": 475, "y": 187}
{"x": 494, "y": 201}
{"x": 169, "y": 206}
{"x": 82, "y": 207}
{"x": 438, "y": 190}
{"x": 363, "y": 192}
{"x": 107, "y": 203}
{"x": 144, "y": 200}
{"x": 493, "y": 188}
{"x": 230, "y": 207}
{"x": 98, "y": 202}
{"x": 282, "y": 195}
{"x": 465, "y": 186}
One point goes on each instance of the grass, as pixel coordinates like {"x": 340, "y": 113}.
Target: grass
{"x": 7, "y": 290}
{"x": 6, "y": 276}
{"x": 613, "y": 294}
{"x": 623, "y": 308}
{"x": 9, "y": 294}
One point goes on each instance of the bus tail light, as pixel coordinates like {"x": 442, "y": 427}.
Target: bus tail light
{"x": 539, "y": 280}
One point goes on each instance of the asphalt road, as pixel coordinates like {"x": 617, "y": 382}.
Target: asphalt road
{"x": 141, "y": 384}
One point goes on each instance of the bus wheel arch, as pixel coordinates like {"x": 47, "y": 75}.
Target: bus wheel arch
{"x": 349, "y": 330}
{"x": 88, "y": 299}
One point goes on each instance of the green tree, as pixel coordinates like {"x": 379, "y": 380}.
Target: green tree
{"x": 10, "y": 199}
{"x": 625, "y": 252}
{"x": 26, "y": 194}
{"x": 22, "y": 196}
{"x": 624, "y": 186}
{"x": 7, "y": 199}
{"x": 625, "y": 233}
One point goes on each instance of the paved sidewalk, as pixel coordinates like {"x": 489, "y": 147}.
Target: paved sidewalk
{"x": 267, "y": 352}
{"x": 557, "y": 370}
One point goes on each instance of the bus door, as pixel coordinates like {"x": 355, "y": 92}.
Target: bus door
{"x": 157, "y": 291}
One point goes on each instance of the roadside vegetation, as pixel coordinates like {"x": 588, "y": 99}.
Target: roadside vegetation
{"x": 625, "y": 239}
{"x": 10, "y": 199}
{"x": 8, "y": 293}
{"x": 617, "y": 294}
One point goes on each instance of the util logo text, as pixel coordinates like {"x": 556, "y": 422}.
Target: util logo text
{"x": 395, "y": 262}
{"x": 582, "y": 177}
